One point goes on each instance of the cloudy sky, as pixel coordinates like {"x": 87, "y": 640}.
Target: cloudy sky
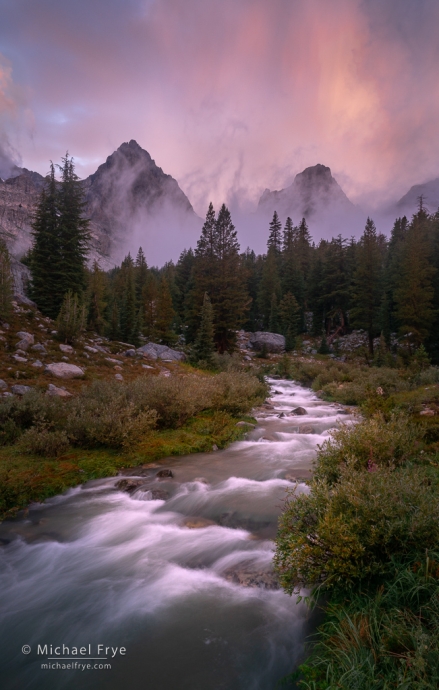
{"x": 230, "y": 96}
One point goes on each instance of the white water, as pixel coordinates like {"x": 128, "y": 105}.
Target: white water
{"x": 98, "y": 566}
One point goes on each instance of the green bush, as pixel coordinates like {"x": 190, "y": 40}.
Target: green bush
{"x": 341, "y": 535}
{"x": 41, "y": 441}
{"x": 369, "y": 444}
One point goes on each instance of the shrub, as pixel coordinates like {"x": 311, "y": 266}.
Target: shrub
{"x": 370, "y": 444}
{"x": 41, "y": 441}
{"x": 344, "y": 534}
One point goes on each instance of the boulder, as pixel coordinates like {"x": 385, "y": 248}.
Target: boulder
{"x": 59, "y": 392}
{"x": 37, "y": 364}
{"x": 273, "y": 342}
{"x": 247, "y": 575}
{"x": 159, "y": 495}
{"x": 246, "y": 425}
{"x": 24, "y": 335}
{"x": 130, "y": 353}
{"x": 64, "y": 371}
{"x": 23, "y": 344}
{"x": 94, "y": 350}
{"x": 19, "y": 359}
{"x": 129, "y": 485}
{"x": 3, "y": 385}
{"x": 67, "y": 349}
{"x": 306, "y": 429}
{"x": 198, "y": 522}
{"x": 156, "y": 351}
{"x": 299, "y": 411}
{"x": 118, "y": 377}
{"x": 19, "y": 389}
{"x": 39, "y": 348}
{"x": 165, "y": 474}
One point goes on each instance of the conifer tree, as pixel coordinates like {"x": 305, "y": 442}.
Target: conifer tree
{"x": 165, "y": 313}
{"x": 73, "y": 230}
{"x": 129, "y": 326}
{"x": 141, "y": 275}
{"x": 6, "y": 283}
{"x": 46, "y": 255}
{"x": 367, "y": 289}
{"x": 71, "y": 318}
{"x": 204, "y": 345}
{"x": 270, "y": 286}
{"x": 414, "y": 291}
{"x": 275, "y": 237}
{"x": 289, "y": 318}
{"x": 97, "y": 290}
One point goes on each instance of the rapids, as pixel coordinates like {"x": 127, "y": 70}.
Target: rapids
{"x": 195, "y": 608}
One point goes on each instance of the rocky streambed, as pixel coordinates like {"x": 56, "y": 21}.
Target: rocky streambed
{"x": 172, "y": 562}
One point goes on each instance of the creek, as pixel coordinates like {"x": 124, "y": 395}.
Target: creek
{"x": 179, "y": 572}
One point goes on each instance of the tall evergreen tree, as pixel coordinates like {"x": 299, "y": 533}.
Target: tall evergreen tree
{"x": 97, "y": 291}
{"x": 204, "y": 345}
{"x": 414, "y": 290}
{"x": 46, "y": 255}
{"x": 275, "y": 235}
{"x": 367, "y": 288}
{"x": 129, "y": 325}
{"x": 289, "y": 318}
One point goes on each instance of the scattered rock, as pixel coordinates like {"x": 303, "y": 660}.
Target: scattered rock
{"x": 37, "y": 364}
{"x": 3, "y": 385}
{"x": 299, "y": 411}
{"x": 67, "y": 349}
{"x": 64, "y": 371}
{"x": 19, "y": 359}
{"x": 60, "y": 392}
{"x": 23, "y": 335}
{"x": 113, "y": 361}
{"x": 23, "y": 344}
{"x": 281, "y": 415}
{"x": 214, "y": 447}
{"x": 247, "y": 358}
{"x": 19, "y": 389}
{"x": 246, "y": 425}
{"x": 88, "y": 348}
{"x": 273, "y": 342}
{"x": 427, "y": 413}
{"x": 198, "y": 522}
{"x": 163, "y": 352}
{"x": 129, "y": 485}
{"x": 147, "y": 366}
{"x": 130, "y": 353}
{"x": 163, "y": 474}
{"x": 117, "y": 367}
{"x": 39, "y": 348}
{"x": 118, "y": 377}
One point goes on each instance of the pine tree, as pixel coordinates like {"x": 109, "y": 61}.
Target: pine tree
{"x": 270, "y": 285}
{"x": 129, "y": 326}
{"x": 73, "y": 230}
{"x": 289, "y": 318}
{"x": 140, "y": 276}
{"x": 6, "y": 282}
{"x": 149, "y": 298}
{"x": 275, "y": 238}
{"x": 204, "y": 345}
{"x": 165, "y": 313}
{"x": 367, "y": 289}
{"x": 71, "y": 318}
{"x": 46, "y": 256}
{"x": 97, "y": 290}
{"x": 414, "y": 291}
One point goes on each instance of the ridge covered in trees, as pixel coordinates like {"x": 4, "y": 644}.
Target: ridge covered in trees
{"x": 382, "y": 286}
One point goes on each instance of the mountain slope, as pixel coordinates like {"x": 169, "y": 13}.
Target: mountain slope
{"x": 408, "y": 204}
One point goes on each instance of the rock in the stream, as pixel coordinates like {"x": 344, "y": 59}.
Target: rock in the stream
{"x": 273, "y": 342}
{"x": 202, "y": 480}
{"x": 165, "y": 474}
{"x": 129, "y": 485}
{"x": 299, "y": 411}
{"x": 198, "y": 522}
{"x": 246, "y": 425}
{"x": 247, "y": 575}
{"x": 64, "y": 371}
{"x": 159, "y": 495}
{"x": 306, "y": 429}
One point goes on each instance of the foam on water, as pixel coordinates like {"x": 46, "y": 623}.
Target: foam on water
{"x": 99, "y": 566}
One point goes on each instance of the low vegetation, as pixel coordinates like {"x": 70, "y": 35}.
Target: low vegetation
{"x": 48, "y": 443}
{"x": 365, "y": 538}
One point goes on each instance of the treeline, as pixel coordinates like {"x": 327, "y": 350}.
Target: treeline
{"x": 380, "y": 285}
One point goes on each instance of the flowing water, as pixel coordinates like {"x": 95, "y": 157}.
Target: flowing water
{"x": 182, "y": 579}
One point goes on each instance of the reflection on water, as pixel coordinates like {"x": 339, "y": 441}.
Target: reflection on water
{"x": 185, "y": 584}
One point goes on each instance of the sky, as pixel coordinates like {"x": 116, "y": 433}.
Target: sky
{"x": 228, "y": 97}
